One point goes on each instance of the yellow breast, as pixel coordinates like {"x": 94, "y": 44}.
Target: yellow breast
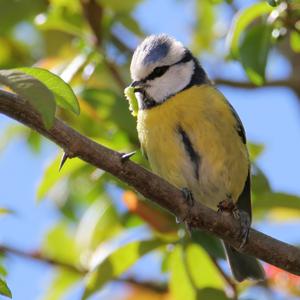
{"x": 203, "y": 113}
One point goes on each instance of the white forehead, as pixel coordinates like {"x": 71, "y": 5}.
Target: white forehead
{"x": 155, "y": 50}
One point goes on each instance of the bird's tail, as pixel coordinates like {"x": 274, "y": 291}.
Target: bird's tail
{"x": 244, "y": 266}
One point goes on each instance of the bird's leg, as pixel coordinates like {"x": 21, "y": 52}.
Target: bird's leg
{"x": 226, "y": 205}
{"x": 245, "y": 223}
{"x": 238, "y": 214}
{"x": 126, "y": 156}
{"x": 187, "y": 194}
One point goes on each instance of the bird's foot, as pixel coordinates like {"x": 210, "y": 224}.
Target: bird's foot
{"x": 187, "y": 194}
{"x": 238, "y": 214}
{"x": 126, "y": 156}
{"x": 226, "y": 206}
{"x": 245, "y": 224}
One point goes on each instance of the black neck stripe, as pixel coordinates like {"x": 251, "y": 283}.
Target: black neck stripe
{"x": 190, "y": 151}
{"x": 186, "y": 58}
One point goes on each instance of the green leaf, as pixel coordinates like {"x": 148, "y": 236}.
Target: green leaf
{"x": 14, "y": 12}
{"x": 203, "y": 32}
{"x": 117, "y": 263}
{"x": 61, "y": 284}
{"x": 3, "y": 271}
{"x": 214, "y": 2}
{"x": 52, "y": 174}
{"x": 59, "y": 24}
{"x": 254, "y": 50}
{"x": 72, "y": 6}
{"x": 260, "y": 182}
{"x": 270, "y": 200}
{"x": 255, "y": 150}
{"x": 34, "y": 140}
{"x": 295, "y": 41}
{"x": 208, "y": 242}
{"x": 119, "y": 5}
{"x": 63, "y": 93}
{"x": 242, "y": 19}
{"x": 130, "y": 23}
{"x": 130, "y": 220}
{"x": 273, "y": 3}
{"x": 211, "y": 293}
{"x": 33, "y": 91}
{"x": 5, "y": 211}
{"x": 10, "y": 132}
{"x": 121, "y": 116}
{"x": 193, "y": 274}
{"x": 279, "y": 206}
{"x": 59, "y": 244}
{"x": 63, "y": 16}
{"x": 201, "y": 268}
{"x": 99, "y": 223}
{"x": 181, "y": 286}
{"x": 4, "y": 290}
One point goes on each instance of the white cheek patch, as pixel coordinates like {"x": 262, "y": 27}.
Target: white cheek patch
{"x": 173, "y": 81}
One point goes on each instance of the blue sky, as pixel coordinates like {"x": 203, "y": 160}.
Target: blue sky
{"x": 270, "y": 116}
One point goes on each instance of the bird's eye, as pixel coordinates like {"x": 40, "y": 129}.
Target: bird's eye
{"x": 158, "y": 72}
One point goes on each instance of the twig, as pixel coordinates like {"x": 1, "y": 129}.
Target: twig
{"x": 228, "y": 280}
{"x": 121, "y": 45}
{"x": 115, "y": 73}
{"x": 275, "y": 252}
{"x": 93, "y": 13}
{"x": 154, "y": 286}
{"x": 36, "y": 255}
{"x": 291, "y": 83}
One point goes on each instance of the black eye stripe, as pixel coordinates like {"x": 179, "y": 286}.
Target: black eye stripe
{"x": 186, "y": 57}
{"x": 159, "y": 71}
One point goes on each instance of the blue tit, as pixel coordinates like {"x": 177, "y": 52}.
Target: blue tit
{"x": 192, "y": 136}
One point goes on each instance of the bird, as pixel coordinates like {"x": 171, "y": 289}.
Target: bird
{"x": 192, "y": 136}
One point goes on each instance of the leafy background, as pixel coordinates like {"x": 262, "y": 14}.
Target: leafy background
{"x": 89, "y": 234}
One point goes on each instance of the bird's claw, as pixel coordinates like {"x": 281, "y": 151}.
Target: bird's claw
{"x": 245, "y": 223}
{"x": 226, "y": 206}
{"x": 187, "y": 194}
{"x": 240, "y": 215}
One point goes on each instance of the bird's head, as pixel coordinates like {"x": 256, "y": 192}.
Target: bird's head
{"x": 160, "y": 68}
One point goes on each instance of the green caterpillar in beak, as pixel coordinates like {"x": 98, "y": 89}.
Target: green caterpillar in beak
{"x": 133, "y": 103}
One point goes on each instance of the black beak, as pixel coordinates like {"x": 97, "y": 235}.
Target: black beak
{"x": 137, "y": 83}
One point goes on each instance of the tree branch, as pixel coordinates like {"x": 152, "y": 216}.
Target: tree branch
{"x": 160, "y": 288}
{"x": 290, "y": 83}
{"x": 264, "y": 247}
{"x": 36, "y": 255}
